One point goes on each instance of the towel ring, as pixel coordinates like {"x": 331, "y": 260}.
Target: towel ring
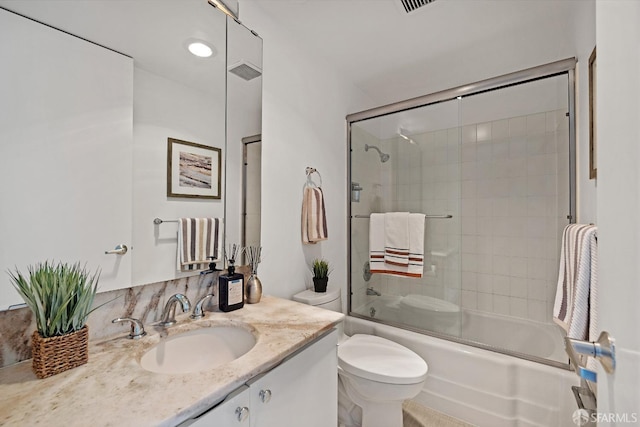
{"x": 310, "y": 171}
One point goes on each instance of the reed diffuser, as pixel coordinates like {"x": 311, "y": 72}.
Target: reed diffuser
{"x": 253, "y": 290}
{"x": 231, "y": 256}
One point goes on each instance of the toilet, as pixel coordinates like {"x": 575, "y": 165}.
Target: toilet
{"x": 375, "y": 375}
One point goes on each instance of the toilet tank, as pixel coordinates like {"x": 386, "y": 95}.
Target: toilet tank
{"x": 330, "y": 300}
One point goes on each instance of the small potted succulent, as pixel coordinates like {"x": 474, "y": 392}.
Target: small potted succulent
{"x": 321, "y": 271}
{"x": 60, "y": 296}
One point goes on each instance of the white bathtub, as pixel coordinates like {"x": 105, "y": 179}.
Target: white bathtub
{"x": 478, "y": 386}
{"x": 504, "y": 332}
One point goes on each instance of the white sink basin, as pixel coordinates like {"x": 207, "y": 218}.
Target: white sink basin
{"x": 198, "y": 350}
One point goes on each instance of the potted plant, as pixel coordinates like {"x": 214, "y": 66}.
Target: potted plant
{"x": 320, "y": 269}
{"x": 60, "y": 297}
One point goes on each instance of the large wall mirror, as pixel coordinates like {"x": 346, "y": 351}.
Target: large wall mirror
{"x": 91, "y": 94}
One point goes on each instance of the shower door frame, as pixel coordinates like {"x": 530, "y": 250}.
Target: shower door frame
{"x": 557, "y": 68}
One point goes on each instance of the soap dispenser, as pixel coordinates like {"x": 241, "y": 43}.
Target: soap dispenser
{"x": 231, "y": 286}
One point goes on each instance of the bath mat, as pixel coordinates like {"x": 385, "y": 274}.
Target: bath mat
{"x": 416, "y": 415}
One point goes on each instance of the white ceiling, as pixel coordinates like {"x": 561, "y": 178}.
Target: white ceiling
{"x": 386, "y": 52}
{"x": 392, "y": 56}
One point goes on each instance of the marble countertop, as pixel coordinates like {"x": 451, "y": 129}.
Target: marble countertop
{"x": 113, "y": 390}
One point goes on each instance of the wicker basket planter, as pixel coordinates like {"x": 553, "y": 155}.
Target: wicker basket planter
{"x": 60, "y": 353}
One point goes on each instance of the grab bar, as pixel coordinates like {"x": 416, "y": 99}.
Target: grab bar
{"x": 425, "y": 215}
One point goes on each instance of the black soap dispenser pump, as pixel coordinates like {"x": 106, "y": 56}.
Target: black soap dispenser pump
{"x": 231, "y": 287}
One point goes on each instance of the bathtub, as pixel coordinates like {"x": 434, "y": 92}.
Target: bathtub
{"x": 481, "y": 387}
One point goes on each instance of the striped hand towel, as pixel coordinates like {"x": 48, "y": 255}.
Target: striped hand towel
{"x": 199, "y": 239}
{"x": 314, "y": 220}
{"x": 575, "y": 308}
{"x": 396, "y": 238}
{"x": 415, "y": 266}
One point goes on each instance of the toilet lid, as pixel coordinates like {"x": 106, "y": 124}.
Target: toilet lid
{"x": 378, "y": 359}
{"x": 424, "y": 302}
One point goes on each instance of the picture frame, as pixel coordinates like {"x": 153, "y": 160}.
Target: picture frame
{"x": 193, "y": 170}
{"x": 593, "y": 159}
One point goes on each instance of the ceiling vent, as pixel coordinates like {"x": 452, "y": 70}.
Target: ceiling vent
{"x": 413, "y": 5}
{"x": 246, "y": 70}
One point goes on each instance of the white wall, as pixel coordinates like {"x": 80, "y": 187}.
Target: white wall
{"x": 618, "y": 110}
{"x": 305, "y": 103}
{"x": 165, "y": 109}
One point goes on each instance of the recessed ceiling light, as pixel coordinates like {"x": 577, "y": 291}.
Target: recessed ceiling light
{"x": 200, "y": 49}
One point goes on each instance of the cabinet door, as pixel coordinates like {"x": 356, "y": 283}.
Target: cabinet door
{"x": 302, "y": 391}
{"x": 232, "y": 412}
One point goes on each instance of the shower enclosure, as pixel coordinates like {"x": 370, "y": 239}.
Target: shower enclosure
{"x": 492, "y": 166}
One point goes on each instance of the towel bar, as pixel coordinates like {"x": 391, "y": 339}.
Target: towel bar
{"x": 160, "y": 221}
{"x": 426, "y": 216}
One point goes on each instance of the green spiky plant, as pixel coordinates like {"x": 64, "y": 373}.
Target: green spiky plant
{"x": 320, "y": 268}
{"x": 60, "y": 296}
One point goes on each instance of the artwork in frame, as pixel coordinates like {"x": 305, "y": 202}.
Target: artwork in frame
{"x": 193, "y": 170}
{"x": 593, "y": 165}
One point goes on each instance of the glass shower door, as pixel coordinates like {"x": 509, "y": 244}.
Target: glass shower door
{"x": 409, "y": 162}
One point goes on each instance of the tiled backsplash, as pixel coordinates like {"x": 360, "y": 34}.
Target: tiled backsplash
{"x": 144, "y": 302}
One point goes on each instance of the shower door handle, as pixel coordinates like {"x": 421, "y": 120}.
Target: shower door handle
{"x": 603, "y": 349}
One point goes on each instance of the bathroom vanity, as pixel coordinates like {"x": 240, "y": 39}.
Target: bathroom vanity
{"x": 290, "y": 374}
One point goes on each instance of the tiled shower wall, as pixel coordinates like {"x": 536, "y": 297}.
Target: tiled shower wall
{"x": 514, "y": 203}
{"x": 505, "y": 182}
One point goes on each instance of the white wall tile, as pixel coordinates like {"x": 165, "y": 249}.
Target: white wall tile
{"x": 517, "y": 126}
{"x": 485, "y": 302}
{"x": 500, "y": 304}
{"x": 469, "y": 134}
{"x": 469, "y": 300}
{"x": 500, "y": 129}
{"x": 536, "y": 123}
{"x": 483, "y": 131}
{"x": 484, "y": 283}
{"x": 501, "y": 285}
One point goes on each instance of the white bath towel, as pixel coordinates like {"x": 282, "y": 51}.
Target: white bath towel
{"x": 576, "y": 306}
{"x": 396, "y": 238}
{"x": 377, "y": 263}
{"x": 198, "y": 240}
{"x": 314, "y": 219}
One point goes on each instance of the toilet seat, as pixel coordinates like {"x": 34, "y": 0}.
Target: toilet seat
{"x": 378, "y": 359}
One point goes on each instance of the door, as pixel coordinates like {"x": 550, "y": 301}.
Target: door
{"x": 618, "y": 203}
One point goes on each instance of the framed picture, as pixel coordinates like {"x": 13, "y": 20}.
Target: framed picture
{"x": 193, "y": 170}
{"x": 593, "y": 160}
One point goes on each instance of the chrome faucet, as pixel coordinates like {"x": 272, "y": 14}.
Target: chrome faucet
{"x": 371, "y": 291}
{"x": 198, "y": 313}
{"x": 169, "y": 313}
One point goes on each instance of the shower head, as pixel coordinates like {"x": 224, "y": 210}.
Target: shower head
{"x": 383, "y": 156}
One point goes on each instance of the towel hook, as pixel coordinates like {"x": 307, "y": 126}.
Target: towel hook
{"x": 309, "y": 170}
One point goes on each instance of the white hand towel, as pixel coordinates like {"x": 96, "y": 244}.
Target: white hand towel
{"x": 377, "y": 263}
{"x": 396, "y": 238}
{"x": 199, "y": 239}
{"x": 575, "y": 307}
{"x": 416, "y": 244}
{"x": 376, "y": 243}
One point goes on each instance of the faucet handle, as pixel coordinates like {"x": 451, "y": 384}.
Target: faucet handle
{"x": 137, "y": 328}
{"x": 198, "y": 313}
